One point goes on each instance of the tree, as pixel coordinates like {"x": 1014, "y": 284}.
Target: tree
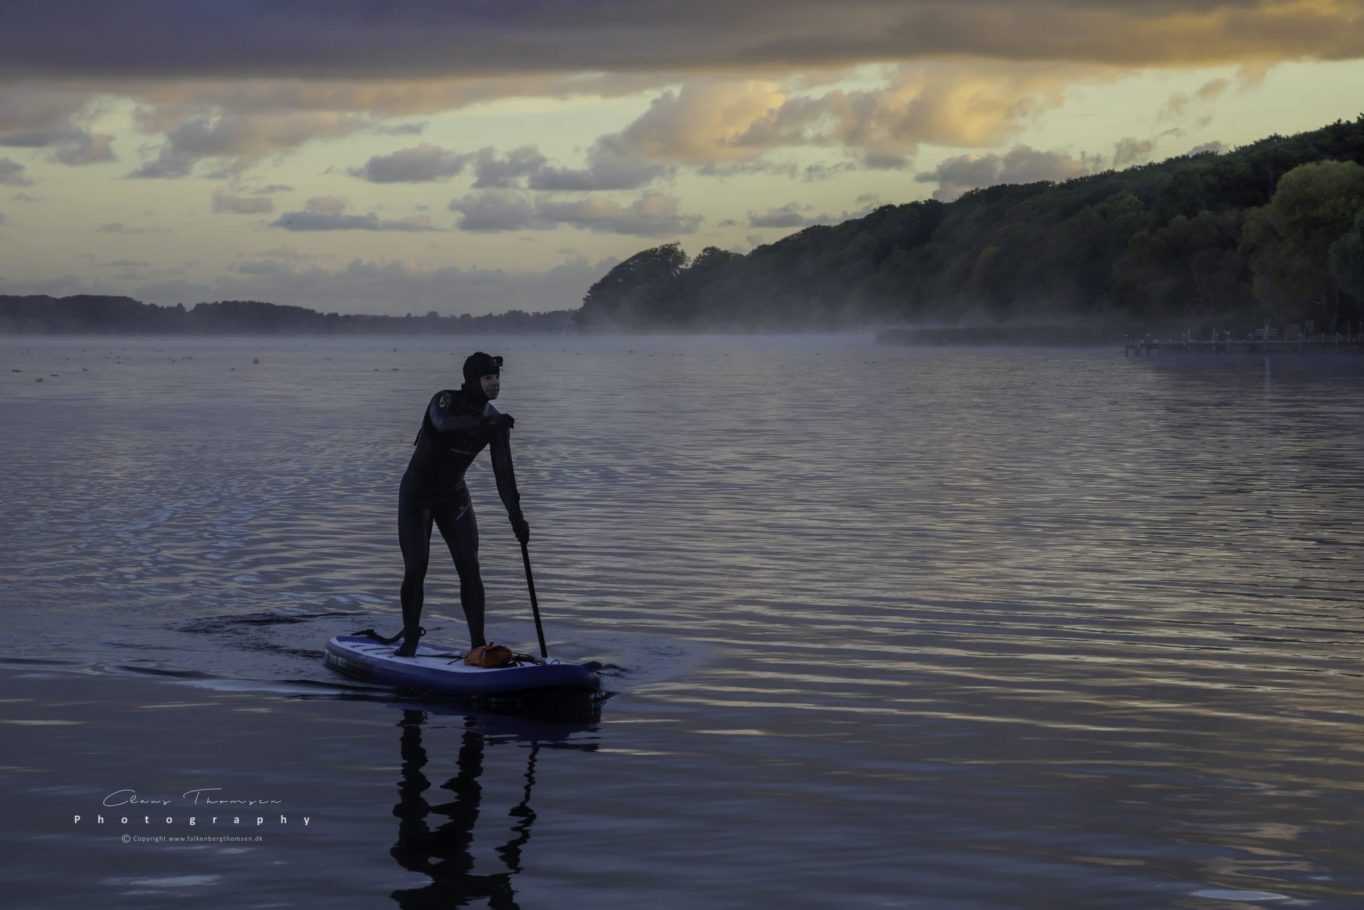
{"x": 639, "y": 291}
{"x": 1189, "y": 268}
{"x": 1347, "y": 261}
{"x": 1288, "y": 242}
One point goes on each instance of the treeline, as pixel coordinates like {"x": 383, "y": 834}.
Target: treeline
{"x": 1272, "y": 232}
{"x": 123, "y": 315}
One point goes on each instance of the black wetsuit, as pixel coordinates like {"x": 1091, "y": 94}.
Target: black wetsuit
{"x": 456, "y": 427}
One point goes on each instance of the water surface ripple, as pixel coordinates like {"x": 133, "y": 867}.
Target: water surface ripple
{"x": 894, "y": 627}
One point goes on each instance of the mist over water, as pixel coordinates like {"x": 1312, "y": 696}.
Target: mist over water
{"x": 971, "y": 628}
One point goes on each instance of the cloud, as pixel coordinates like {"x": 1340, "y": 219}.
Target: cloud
{"x": 401, "y": 129}
{"x": 12, "y": 173}
{"x": 235, "y": 141}
{"x": 226, "y": 203}
{"x": 327, "y": 213}
{"x": 612, "y": 164}
{"x": 424, "y": 39}
{"x": 47, "y": 117}
{"x": 118, "y": 227}
{"x": 787, "y": 216}
{"x": 25, "y": 197}
{"x": 793, "y": 215}
{"x": 35, "y": 116}
{"x": 422, "y": 163}
{"x": 282, "y": 253}
{"x": 508, "y": 170}
{"x": 704, "y": 121}
{"x": 495, "y": 210}
{"x": 970, "y": 104}
{"x": 320, "y": 221}
{"x": 759, "y": 168}
{"x": 1215, "y": 147}
{"x": 1020, "y": 164}
{"x": 609, "y": 166}
{"x": 1129, "y": 151}
{"x": 238, "y": 84}
{"x": 711, "y": 121}
{"x": 85, "y": 148}
{"x": 651, "y": 215}
{"x": 1180, "y": 105}
{"x": 881, "y": 161}
{"x": 2, "y": 217}
{"x": 327, "y": 205}
{"x": 166, "y": 102}
{"x": 135, "y": 270}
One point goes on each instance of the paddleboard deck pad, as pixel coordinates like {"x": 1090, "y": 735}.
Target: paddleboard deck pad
{"x": 443, "y": 671}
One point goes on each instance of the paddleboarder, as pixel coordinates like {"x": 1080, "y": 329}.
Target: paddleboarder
{"x": 457, "y": 426}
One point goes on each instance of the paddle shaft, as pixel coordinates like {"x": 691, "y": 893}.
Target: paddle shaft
{"x": 534, "y": 604}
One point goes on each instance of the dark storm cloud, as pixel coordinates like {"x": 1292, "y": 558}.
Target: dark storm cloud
{"x": 319, "y": 39}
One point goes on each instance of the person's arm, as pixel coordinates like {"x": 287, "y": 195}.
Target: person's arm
{"x": 444, "y": 418}
{"x": 506, "y": 476}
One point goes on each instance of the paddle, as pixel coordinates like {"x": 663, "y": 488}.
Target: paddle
{"x": 534, "y": 605}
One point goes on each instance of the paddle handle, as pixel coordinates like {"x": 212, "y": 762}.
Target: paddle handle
{"x": 534, "y": 604}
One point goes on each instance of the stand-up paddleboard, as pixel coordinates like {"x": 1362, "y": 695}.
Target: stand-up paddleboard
{"x": 443, "y": 672}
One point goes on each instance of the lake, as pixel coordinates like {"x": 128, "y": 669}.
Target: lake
{"x": 971, "y": 629}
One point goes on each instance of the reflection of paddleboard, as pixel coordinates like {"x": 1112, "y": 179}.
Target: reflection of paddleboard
{"x": 445, "y": 673}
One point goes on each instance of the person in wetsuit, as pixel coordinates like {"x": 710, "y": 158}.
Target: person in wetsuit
{"x": 456, "y": 427}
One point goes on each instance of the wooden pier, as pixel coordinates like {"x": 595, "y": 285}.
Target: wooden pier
{"x": 1329, "y": 344}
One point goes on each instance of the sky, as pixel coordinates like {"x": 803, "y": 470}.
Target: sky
{"x": 477, "y": 156}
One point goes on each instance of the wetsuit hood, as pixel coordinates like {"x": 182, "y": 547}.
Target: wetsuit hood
{"x": 476, "y": 366}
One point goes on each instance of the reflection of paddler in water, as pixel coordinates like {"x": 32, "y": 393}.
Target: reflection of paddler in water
{"x": 443, "y": 849}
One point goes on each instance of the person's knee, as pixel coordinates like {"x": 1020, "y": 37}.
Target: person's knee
{"x": 415, "y": 573}
{"x": 467, "y": 567}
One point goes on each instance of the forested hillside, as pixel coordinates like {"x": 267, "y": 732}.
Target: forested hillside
{"x": 1269, "y": 232}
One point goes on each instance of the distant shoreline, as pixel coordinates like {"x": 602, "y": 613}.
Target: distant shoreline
{"x": 109, "y": 315}
{"x": 1016, "y": 335}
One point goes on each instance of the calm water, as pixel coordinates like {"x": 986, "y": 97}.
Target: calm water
{"x": 887, "y": 627}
